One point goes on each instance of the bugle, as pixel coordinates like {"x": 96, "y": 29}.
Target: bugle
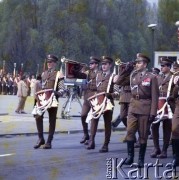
{"x": 124, "y": 67}
{"x": 118, "y": 62}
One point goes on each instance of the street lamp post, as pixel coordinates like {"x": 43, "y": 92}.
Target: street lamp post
{"x": 152, "y": 28}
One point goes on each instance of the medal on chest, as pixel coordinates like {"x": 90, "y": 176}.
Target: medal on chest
{"x": 146, "y": 82}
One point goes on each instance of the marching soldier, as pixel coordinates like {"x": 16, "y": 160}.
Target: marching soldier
{"x": 175, "y": 120}
{"x": 156, "y": 72}
{"x": 163, "y": 82}
{"x": 48, "y": 82}
{"x": 102, "y": 84}
{"x": 123, "y": 81}
{"x": 91, "y": 89}
{"x": 142, "y": 108}
{"x": 125, "y": 95}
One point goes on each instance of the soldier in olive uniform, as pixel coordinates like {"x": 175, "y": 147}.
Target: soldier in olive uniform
{"x": 156, "y": 72}
{"x": 142, "y": 108}
{"x": 175, "y": 120}
{"x": 102, "y": 81}
{"x": 90, "y": 90}
{"x": 163, "y": 82}
{"x": 48, "y": 82}
{"x": 125, "y": 95}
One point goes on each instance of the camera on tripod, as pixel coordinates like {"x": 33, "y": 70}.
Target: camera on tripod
{"x": 74, "y": 93}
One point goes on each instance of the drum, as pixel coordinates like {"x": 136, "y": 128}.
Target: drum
{"x": 98, "y": 104}
{"x": 161, "y": 102}
{"x": 44, "y": 98}
{"x": 97, "y": 99}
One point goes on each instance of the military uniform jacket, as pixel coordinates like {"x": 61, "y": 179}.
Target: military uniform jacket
{"x": 102, "y": 84}
{"x": 90, "y": 76}
{"x": 175, "y": 94}
{"x": 145, "y": 93}
{"x": 48, "y": 81}
{"x": 124, "y": 83}
{"x": 176, "y": 97}
{"x": 163, "y": 84}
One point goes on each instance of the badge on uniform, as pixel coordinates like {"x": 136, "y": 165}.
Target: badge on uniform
{"x": 146, "y": 82}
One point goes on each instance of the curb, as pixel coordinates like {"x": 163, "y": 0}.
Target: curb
{"x": 4, "y": 114}
{"x": 57, "y": 132}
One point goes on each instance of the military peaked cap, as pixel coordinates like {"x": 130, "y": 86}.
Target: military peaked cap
{"x": 106, "y": 59}
{"x": 142, "y": 57}
{"x": 94, "y": 60}
{"x": 51, "y": 57}
{"x": 165, "y": 61}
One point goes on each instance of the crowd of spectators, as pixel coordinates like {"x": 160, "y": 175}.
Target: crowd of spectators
{"x": 9, "y": 83}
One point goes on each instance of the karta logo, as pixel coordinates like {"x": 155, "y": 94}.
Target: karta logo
{"x": 117, "y": 170}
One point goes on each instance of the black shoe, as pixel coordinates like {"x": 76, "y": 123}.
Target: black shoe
{"x": 22, "y": 112}
{"x": 175, "y": 147}
{"x": 129, "y": 160}
{"x": 39, "y": 143}
{"x": 104, "y": 149}
{"x": 142, "y": 155}
{"x": 140, "y": 163}
{"x": 130, "y": 149}
{"x": 84, "y": 139}
{"x": 155, "y": 153}
{"x": 91, "y": 145}
{"x": 47, "y": 146}
{"x": 86, "y": 142}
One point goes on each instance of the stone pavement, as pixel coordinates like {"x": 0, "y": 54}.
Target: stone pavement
{"x": 24, "y": 124}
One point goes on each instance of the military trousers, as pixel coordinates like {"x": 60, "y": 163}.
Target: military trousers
{"x": 140, "y": 123}
{"x": 52, "y": 112}
{"x": 107, "y": 125}
{"x": 167, "y": 125}
{"x": 124, "y": 107}
{"x": 84, "y": 113}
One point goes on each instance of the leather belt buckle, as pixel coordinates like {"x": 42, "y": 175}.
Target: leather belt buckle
{"x": 137, "y": 97}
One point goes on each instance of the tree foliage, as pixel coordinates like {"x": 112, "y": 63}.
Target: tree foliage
{"x": 78, "y": 29}
{"x": 168, "y": 14}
